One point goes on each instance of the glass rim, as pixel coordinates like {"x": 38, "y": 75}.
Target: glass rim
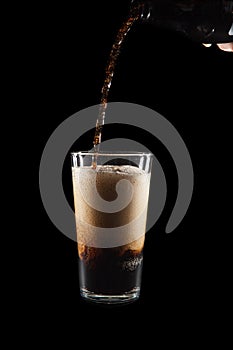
{"x": 112, "y": 153}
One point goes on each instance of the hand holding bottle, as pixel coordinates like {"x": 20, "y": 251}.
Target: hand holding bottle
{"x": 226, "y": 47}
{"x": 208, "y": 21}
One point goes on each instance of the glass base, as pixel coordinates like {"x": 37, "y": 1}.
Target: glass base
{"x": 126, "y": 297}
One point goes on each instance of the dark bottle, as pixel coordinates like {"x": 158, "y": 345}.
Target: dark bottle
{"x": 205, "y": 21}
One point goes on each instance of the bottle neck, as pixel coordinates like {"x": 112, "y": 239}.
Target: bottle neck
{"x": 206, "y": 21}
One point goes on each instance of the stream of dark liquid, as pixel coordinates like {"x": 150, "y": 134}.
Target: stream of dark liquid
{"x": 134, "y": 16}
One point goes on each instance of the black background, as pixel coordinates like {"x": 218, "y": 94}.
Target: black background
{"x": 183, "y": 276}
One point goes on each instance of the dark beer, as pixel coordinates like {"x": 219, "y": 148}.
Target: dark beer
{"x": 110, "y": 271}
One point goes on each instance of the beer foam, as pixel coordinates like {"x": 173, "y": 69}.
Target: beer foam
{"x": 103, "y": 229}
{"x": 123, "y": 169}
